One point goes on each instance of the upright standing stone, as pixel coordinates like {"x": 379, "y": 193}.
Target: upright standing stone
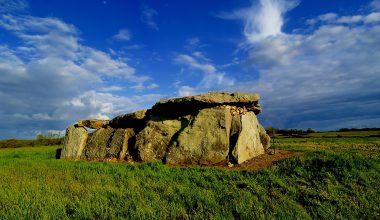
{"x": 264, "y": 138}
{"x": 248, "y": 143}
{"x": 153, "y": 141}
{"x": 119, "y": 144}
{"x": 74, "y": 142}
{"x": 98, "y": 144}
{"x": 204, "y": 140}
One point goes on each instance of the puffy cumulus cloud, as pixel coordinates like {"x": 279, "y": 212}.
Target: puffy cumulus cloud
{"x": 326, "y": 78}
{"x": 211, "y": 77}
{"x": 93, "y": 104}
{"x": 50, "y": 79}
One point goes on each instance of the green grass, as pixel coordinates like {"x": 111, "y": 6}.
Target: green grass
{"x": 337, "y": 178}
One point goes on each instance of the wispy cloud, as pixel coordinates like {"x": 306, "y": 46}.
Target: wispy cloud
{"x": 123, "y": 35}
{"x": 147, "y": 16}
{"x": 375, "y": 5}
{"x": 353, "y": 19}
{"x": 212, "y": 78}
{"x": 8, "y": 6}
{"x": 194, "y": 43}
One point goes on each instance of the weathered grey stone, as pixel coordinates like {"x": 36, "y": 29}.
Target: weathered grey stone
{"x": 205, "y": 140}
{"x": 118, "y": 148}
{"x": 248, "y": 144}
{"x": 191, "y": 104}
{"x": 205, "y": 129}
{"x": 221, "y": 98}
{"x": 153, "y": 141}
{"x": 264, "y": 138}
{"x": 256, "y": 108}
{"x": 93, "y": 123}
{"x": 131, "y": 120}
{"x": 98, "y": 144}
{"x": 74, "y": 142}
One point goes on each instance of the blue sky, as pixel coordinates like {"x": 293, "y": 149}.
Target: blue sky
{"x": 315, "y": 63}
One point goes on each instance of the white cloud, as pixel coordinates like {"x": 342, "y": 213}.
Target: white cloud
{"x": 370, "y": 18}
{"x": 101, "y": 63}
{"x": 94, "y": 104}
{"x": 375, "y": 4}
{"x": 201, "y": 56}
{"x": 141, "y": 86}
{"x": 147, "y": 17}
{"x": 42, "y": 116}
{"x": 328, "y": 17}
{"x": 211, "y": 78}
{"x": 147, "y": 98}
{"x": 350, "y": 19}
{"x": 373, "y": 17}
{"x": 186, "y": 91}
{"x": 266, "y": 19}
{"x": 51, "y": 79}
{"x": 111, "y": 88}
{"x": 193, "y": 63}
{"x": 8, "y": 6}
{"x": 332, "y": 18}
{"x": 194, "y": 43}
{"x": 134, "y": 47}
{"x": 123, "y": 35}
{"x": 328, "y": 74}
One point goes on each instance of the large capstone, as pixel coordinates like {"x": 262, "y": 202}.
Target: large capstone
{"x": 191, "y": 104}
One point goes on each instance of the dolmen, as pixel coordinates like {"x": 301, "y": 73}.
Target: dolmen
{"x": 207, "y": 129}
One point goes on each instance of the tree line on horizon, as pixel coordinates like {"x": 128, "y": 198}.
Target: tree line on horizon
{"x": 299, "y": 132}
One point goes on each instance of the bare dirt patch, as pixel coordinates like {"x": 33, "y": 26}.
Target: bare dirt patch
{"x": 262, "y": 161}
{"x": 267, "y": 160}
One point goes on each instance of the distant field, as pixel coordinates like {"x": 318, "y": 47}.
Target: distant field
{"x": 341, "y": 134}
{"x": 345, "y": 134}
{"x": 337, "y": 178}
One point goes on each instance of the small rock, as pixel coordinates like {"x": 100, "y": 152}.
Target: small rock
{"x": 93, "y": 123}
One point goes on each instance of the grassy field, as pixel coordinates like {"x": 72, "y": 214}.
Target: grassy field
{"x": 337, "y": 178}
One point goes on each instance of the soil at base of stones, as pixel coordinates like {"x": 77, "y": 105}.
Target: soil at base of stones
{"x": 260, "y": 162}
